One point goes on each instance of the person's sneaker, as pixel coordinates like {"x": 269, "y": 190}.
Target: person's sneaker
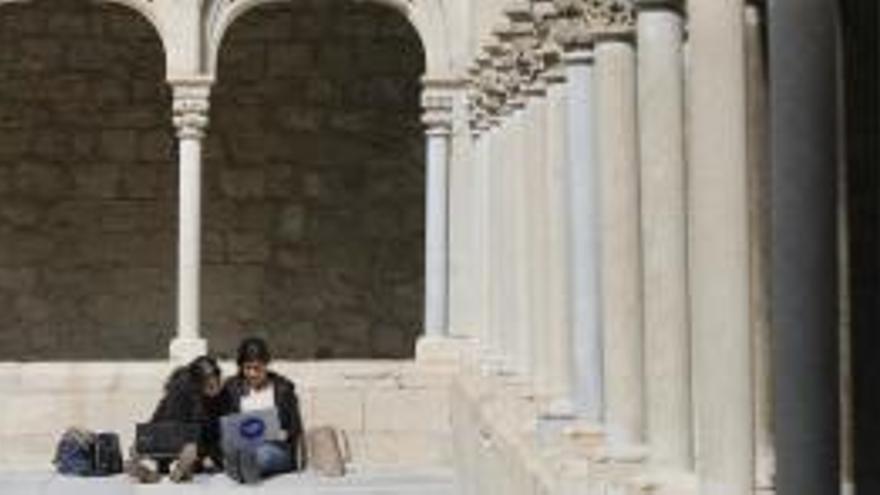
{"x": 250, "y": 470}
{"x": 186, "y": 463}
{"x": 231, "y": 466}
{"x": 141, "y": 473}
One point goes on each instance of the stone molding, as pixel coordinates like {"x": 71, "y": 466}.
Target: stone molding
{"x": 191, "y": 106}
{"x": 438, "y": 102}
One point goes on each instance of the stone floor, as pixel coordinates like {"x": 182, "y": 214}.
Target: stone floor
{"x": 427, "y": 482}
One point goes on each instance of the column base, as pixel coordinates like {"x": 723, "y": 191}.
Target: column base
{"x": 444, "y": 350}
{"x": 183, "y": 350}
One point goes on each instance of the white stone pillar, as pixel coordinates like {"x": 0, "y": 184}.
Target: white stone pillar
{"x": 537, "y": 224}
{"x": 493, "y": 258}
{"x": 437, "y": 103}
{"x": 190, "y": 108}
{"x": 515, "y": 311}
{"x": 664, "y": 232}
{"x": 522, "y": 265}
{"x": 482, "y": 211}
{"x": 617, "y": 146}
{"x": 583, "y": 229}
{"x": 719, "y": 248}
{"x": 558, "y": 336}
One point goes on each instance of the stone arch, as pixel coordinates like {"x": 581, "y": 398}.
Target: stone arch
{"x": 314, "y": 182}
{"x": 144, "y": 8}
{"x": 426, "y": 16}
{"x": 86, "y": 183}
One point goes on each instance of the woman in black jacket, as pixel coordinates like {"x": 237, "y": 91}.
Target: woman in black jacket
{"x": 255, "y": 387}
{"x": 191, "y": 395}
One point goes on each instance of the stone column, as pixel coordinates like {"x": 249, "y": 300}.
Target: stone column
{"x": 583, "y": 234}
{"x": 558, "y": 337}
{"x": 803, "y": 41}
{"x": 437, "y": 102}
{"x": 759, "y": 225}
{"x": 538, "y": 218}
{"x": 664, "y": 232}
{"x": 520, "y": 264}
{"x": 719, "y": 249}
{"x": 190, "y": 108}
{"x": 621, "y": 289}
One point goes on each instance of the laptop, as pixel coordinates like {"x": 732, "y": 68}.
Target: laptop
{"x": 164, "y": 440}
{"x": 249, "y": 428}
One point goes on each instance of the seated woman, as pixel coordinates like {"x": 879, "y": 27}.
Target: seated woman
{"x": 254, "y": 388}
{"x": 191, "y": 395}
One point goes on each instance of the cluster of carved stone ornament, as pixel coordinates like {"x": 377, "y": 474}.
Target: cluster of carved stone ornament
{"x": 190, "y": 108}
{"x": 546, "y": 19}
{"x": 438, "y": 100}
{"x": 580, "y": 21}
{"x": 527, "y": 48}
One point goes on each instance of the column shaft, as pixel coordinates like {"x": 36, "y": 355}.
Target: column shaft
{"x": 536, "y": 182}
{"x": 190, "y": 119}
{"x": 617, "y": 146}
{"x": 583, "y": 226}
{"x": 558, "y": 334}
{"x": 520, "y": 265}
{"x": 719, "y": 249}
{"x": 189, "y": 240}
{"x": 803, "y": 50}
{"x": 436, "y": 234}
{"x": 759, "y": 225}
{"x": 664, "y": 236}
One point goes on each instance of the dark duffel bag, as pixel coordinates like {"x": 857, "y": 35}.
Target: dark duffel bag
{"x": 107, "y": 454}
{"x": 165, "y": 439}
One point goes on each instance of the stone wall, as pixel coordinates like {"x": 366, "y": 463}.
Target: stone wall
{"x": 315, "y": 183}
{"x": 395, "y": 414}
{"x": 86, "y": 177}
{"x": 313, "y": 202}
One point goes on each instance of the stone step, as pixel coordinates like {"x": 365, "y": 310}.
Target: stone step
{"x": 391, "y": 482}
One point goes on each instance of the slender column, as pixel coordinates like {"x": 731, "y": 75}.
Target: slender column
{"x": 559, "y": 353}
{"x": 617, "y": 146}
{"x": 719, "y": 248}
{"x": 507, "y": 264}
{"x": 583, "y": 227}
{"x": 803, "y": 54}
{"x": 759, "y": 225}
{"x": 482, "y": 208}
{"x": 521, "y": 310}
{"x": 190, "y": 118}
{"x": 437, "y": 104}
{"x": 497, "y": 279}
{"x": 536, "y": 204}
{"x": 664, "y": 232}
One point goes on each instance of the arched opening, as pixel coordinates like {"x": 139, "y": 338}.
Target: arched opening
{"x": 87, "y": 219}
{"x": 314, "y": 183}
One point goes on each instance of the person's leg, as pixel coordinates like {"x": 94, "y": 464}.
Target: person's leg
{"x": 273, "y": 458}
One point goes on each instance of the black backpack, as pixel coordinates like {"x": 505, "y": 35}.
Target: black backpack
{"x": 107, "y": 455}
{"x": 84, "y": 453}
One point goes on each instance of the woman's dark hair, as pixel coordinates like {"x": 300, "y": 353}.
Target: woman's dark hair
{"x": 202, "y": 368}
{"x": 253, "y": 349}
{"x": 193, "y": 375}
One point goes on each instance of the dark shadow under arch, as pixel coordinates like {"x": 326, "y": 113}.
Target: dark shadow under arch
{"x": 314, "y": 182}
{"x": 87, "y": 220}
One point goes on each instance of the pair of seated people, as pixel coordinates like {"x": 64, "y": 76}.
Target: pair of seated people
{"x": 196, "y": 394}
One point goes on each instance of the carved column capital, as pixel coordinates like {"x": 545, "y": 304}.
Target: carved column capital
{"x": 190, "y": 107}
{"x": 438, "y": 101}
{"x": 616, "y": 20}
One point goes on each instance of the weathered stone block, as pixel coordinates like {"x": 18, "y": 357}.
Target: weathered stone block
{"x": 156, "y": 145}
{"x": 247, "y": 248}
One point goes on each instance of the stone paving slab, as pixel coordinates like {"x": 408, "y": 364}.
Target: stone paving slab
{"x": 430, "y": 482}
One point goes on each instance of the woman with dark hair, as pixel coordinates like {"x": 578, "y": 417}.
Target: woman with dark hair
{"x": 255, "y": 387}
{"x": 191, "y": 395}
